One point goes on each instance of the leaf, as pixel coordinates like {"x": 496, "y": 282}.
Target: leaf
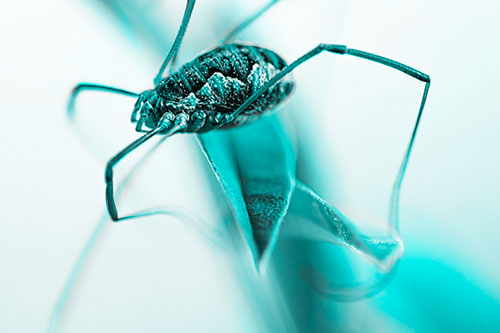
{"x": 255, "y": 165}
{"x": 339, "y": 257}
{"x": 318, "y": 220}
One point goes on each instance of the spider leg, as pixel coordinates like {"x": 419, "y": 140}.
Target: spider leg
{"x": 215, "y": 236}
{"x": 341, "y": 49}
{"x": 166, "y": 128}
{"x": 93, "y": 143}
{"x": 338, "y": 49}
{"x": 70, "y": 109}
{"x": 172, "y": 53}
{"x": 230, "y": 36}
{"x": 88, "y": 247}
{"x": 246, "y": 22}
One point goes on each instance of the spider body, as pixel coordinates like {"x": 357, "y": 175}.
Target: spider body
{"x": 228, "y": 86}
{"x": 214, "y": 84}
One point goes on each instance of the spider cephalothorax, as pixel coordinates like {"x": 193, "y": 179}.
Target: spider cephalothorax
{"x": 212, "y": 86}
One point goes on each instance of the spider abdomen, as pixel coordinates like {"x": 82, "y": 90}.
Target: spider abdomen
{"x": 220, "y": 80}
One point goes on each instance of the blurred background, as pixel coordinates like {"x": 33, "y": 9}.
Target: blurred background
{"x": 162, "y": 274}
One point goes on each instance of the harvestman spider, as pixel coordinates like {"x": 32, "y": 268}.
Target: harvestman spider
{"x": 225, "y": 87}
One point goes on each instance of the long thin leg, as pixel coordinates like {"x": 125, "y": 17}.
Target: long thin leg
{"x": 338, "y": 49}
{"x": 341, "y": 49}
{"x": 70, "y": 110}
{"x": 86, "y": 137}
{"x": 214, "y": 236}
{"x": 394, "y": 204}
{"x": 164, "y": 128}
{"x": 245, "y": 23}
{"x": 229, "y": 37}
{"x": 172, "y": 54}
